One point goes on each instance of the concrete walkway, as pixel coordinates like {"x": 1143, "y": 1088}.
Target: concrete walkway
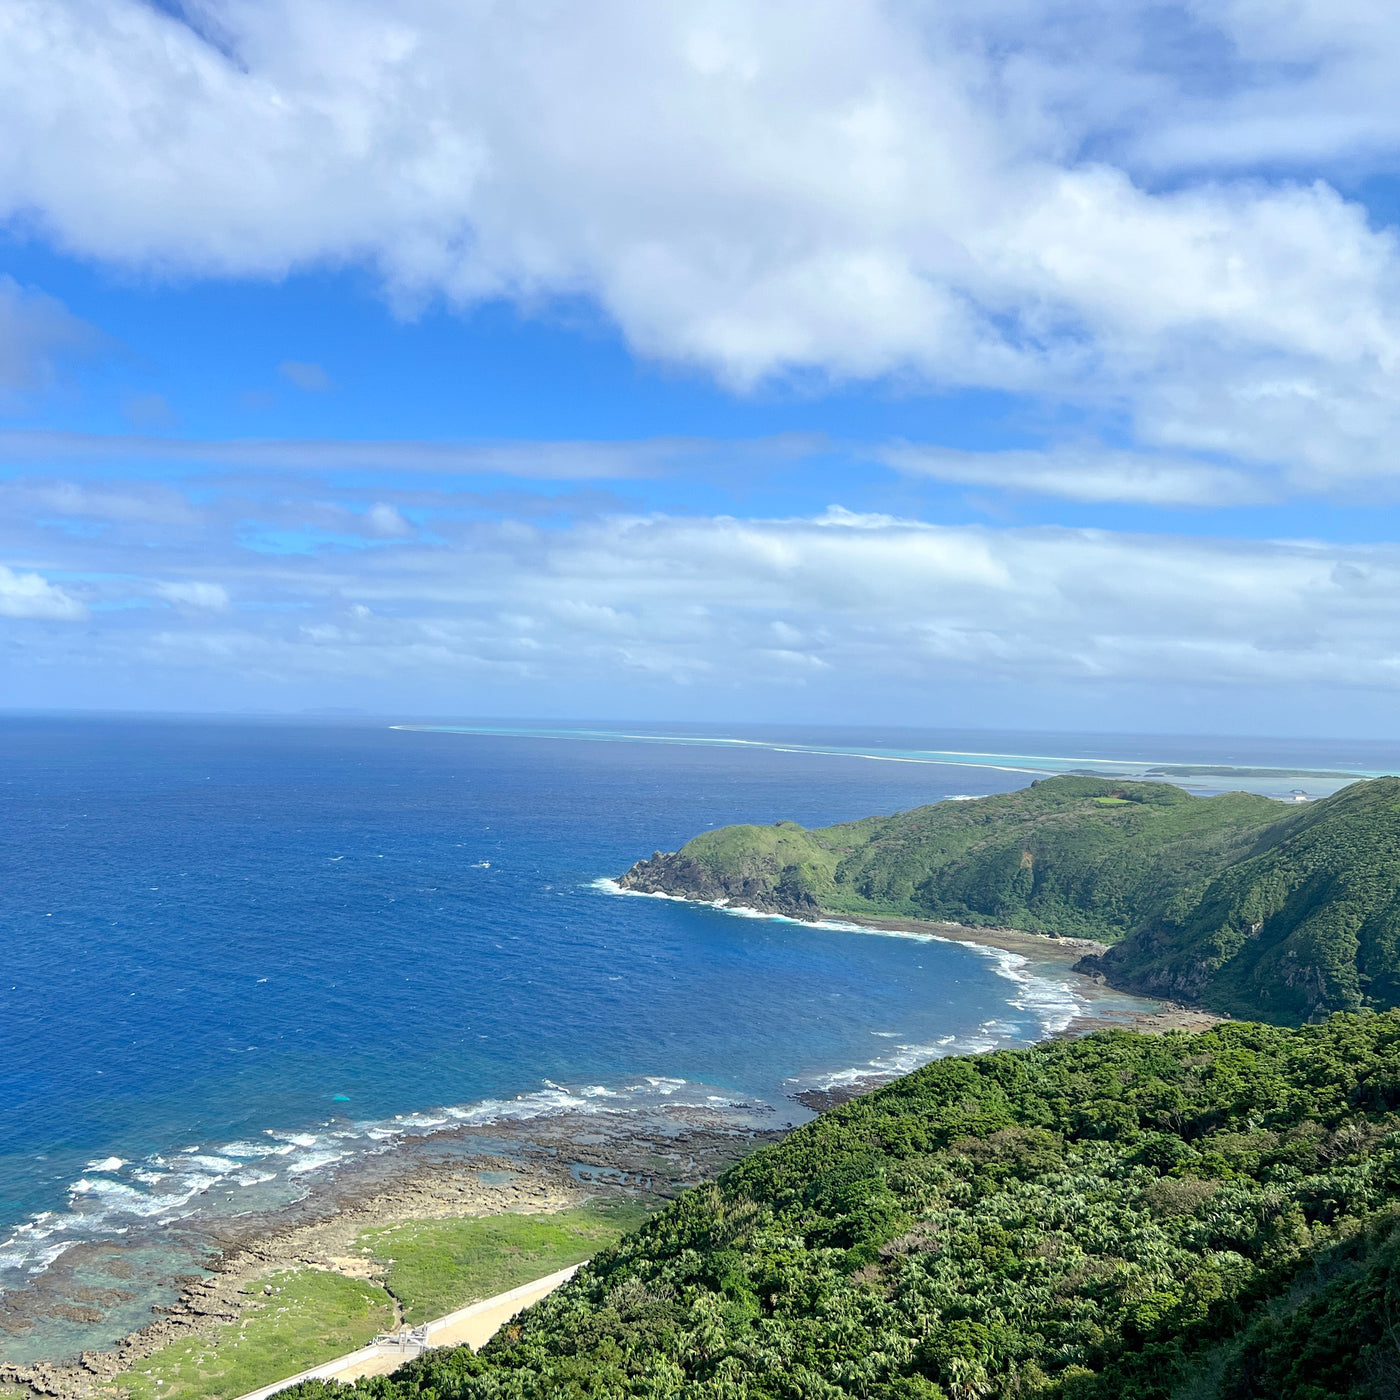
{"x": 473, "y": 1325}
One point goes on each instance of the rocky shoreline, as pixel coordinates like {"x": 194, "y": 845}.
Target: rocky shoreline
{"x": 545, "y": 1164}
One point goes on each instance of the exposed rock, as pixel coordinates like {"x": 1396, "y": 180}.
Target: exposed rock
{"x": 659, "y": 1154}
{"x": 769, "y": 892}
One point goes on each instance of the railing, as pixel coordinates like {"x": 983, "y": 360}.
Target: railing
{"x": 404, "y": 1338}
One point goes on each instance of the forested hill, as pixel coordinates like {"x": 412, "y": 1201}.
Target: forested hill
{"x": 1121, "y": 1217}
{"x": 1244, "y": 904}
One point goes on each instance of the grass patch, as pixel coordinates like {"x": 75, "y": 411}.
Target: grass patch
{"x": 432, "y": 1266}
{"x": 315, "y": 1316}
{"x": 436, "y": 1266}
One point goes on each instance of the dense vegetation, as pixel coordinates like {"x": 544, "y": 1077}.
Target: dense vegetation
{"x": 1308, "y": 922}
{"x": 1240, "y": 902}
{"x": 1120, "y": 1216}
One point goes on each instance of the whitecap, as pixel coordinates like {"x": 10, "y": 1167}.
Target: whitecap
{"x": 313, "y": 1162}
{"x": 33, "y": 1260}
{"x": 220, "y": 1165}
{"x": 292, "y": 1139}
{"x": 251, "y": 1149}
{"x": 420, "y": 1120}
{"x": 107, "y": 1164}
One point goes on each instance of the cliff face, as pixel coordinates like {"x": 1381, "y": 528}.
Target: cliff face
{"x": 775, "y": 891}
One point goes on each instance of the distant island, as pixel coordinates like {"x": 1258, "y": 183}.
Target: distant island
{"x": 1245, "y": 905}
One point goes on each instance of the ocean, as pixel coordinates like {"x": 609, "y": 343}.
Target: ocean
{"x": 236, "y": 955}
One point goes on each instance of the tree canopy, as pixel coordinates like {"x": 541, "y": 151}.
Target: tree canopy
{"x": 1121, "y": 1216}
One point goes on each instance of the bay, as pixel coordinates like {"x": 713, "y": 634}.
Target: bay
{"x": 235, "y": 953}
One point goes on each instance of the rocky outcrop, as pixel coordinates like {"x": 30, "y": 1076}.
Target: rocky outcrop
{"x": 775, "y": 891}
{"x": 1149, "y": 971}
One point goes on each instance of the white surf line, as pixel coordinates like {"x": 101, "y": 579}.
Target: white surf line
{"x": 957, "y": 758}
{"x": 473, "y": 1326}
{"x": 1010, "y": 965}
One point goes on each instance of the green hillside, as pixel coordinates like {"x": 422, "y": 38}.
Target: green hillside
{"x": 1309, "y": 921}
{"x": 1072, "y": 856}
{"x": 1245, "y": 904}
{"x": 1123, "y": 1217}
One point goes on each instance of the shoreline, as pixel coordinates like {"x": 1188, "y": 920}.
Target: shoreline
{"x": 1034, "y": 947}
{"x": 1060, "y": 954}
{"x": 1046, "y": 947}
{"x": 544, "y": 1163}
{"x": 540, "y": 1166}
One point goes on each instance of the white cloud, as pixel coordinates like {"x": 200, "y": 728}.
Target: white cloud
{"x": 212, "y": 597}
{"x": 850, "y": 604}
{"x": 383, "y": 520}
{"x": 969, "y": 194}
{"x": 32, "y": 596}
{"x": 125, "y": 502}
{"x": 538, "y": 461}
{"x": 1085, "y": 473}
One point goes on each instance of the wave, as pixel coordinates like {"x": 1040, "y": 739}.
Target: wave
{"x": 1053, "y": 1003}
{"x": 116, "y": 1196}
{"x": 741, "y": 911}
{"x": 905, "y": 1059}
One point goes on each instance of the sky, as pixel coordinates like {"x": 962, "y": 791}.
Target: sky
{"x": 992, "y": 363}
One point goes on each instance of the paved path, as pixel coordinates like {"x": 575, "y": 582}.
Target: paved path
{"x": 473, "y": 1325}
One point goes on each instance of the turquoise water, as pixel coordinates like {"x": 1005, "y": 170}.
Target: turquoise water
{"x": 236, "y": 955}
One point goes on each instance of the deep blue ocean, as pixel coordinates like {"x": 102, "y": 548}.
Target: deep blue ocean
{"x": 234, "y": 953}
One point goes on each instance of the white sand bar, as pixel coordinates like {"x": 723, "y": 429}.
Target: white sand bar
{"x": 472, "y": 1326}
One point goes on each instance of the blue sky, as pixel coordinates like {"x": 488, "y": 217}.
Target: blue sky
{"x": 1004, "y": 364}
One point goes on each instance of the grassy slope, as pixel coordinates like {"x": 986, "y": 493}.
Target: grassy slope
{"x": 1120, "y": 1217}
{"x": 431, "y": 1266}
{"x": 311, "y": 1318}
{"x": 1075, "y": 856}
{"x": 437, "y": 1266}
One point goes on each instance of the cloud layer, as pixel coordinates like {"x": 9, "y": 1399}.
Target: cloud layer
{"x": 260, "y": 594}
{"x": 1062, "y": 201}
{"x": 1130, "y": 219}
